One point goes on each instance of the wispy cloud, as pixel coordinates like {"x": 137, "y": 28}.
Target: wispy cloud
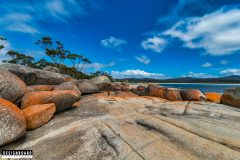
{"x": 207, "y": 64}
{"x": 26, "y": 17}
{"x": 231, "y": 71}
{"x": 98, "y": 66}
{"x": 143, "y": 59}
{"x": 56, "y": 8}
{"x": 112, "y": 42}
{"x": 199, "y": 75}
{"x": 183, "y": 9}
{"x": 137, "y": 74}
{"x": 156, "y": 44}
{"x": 18, "y": 22}
{"x": 223, "y": 62}
{"x": 64, "y": 9}
{"x": 217, "y": 32}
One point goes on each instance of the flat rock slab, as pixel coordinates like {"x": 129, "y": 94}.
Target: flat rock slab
{"x": 125, "y": 126}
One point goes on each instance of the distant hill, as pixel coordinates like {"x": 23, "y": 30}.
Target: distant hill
{"x": 227, "y": 79}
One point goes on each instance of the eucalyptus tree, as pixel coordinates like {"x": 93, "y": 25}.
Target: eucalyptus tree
{"x": 2, "y": 42}
{"x": 18, "y": 58}
{"x": 55, "y": 51}
{"x": 75, "y": 59}
{"x": 85, "y": 61}
{"x": 72, "y": 57}
{"x": 79, "y": 60}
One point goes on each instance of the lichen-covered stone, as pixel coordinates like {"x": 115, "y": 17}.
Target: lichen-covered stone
{"x": 231, "y": 97}
{"x": 38, "y": 115}
{"x": 32, "y": 76}
{"x": 213, "y": 96}
{"x": 12, "y": 122}
{"x": 193, "y": 95}
{"x": 122, "y": 125}
{"x": 12, "y": 88}
{"x": 62, "y": 99}
{"x": 87, "y": 86}
{"x": 37, "y": 88}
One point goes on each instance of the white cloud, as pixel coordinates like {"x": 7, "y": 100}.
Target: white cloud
{"x": 22, "y": 27}
{"x": 232, "y": 71}
{"x": 98, "y": 66}
{"x": 137, "y": 74}
{"x": 143, "y": 59}
{"x": 199, "y": 75}
{"x": 207, "y": 64}
{"x": 61, "y": 9}
{"x": 18, "y": 22}
{"x": 26, "y": 17}
{"x": 223, "y": 62}
{"x": 155, "y": 43}
{"x": 112, "y": 42}
{"x": 56, "y": 8}
{"x": 217, "y": 32}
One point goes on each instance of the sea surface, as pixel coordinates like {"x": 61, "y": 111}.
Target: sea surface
{"x": 204, "y": 87}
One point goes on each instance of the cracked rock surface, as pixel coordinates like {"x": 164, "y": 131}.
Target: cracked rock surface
{"x": 126, "y": 126}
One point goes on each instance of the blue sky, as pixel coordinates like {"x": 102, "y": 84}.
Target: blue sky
{"x": 142, "y": 39}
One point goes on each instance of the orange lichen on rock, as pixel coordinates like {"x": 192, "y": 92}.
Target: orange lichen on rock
{"x": 193, "y": 95}
{"x": 172, "y": 94}
{"x": 38, "y": 115}
{"x": 213, "y": 96}
{"x": 37, "y": 88}
{"x": 62, "y": 98}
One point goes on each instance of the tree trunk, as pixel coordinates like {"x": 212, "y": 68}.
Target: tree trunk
{"x": 82, "y": 67}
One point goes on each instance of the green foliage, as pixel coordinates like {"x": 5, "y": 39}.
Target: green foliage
{"x": 58, "y": 55}
{"x": 55, "y": 51}
{"x": 41, "y": 64}
{"x": 18, "y": 58}
{"x": 75, "y": 59}
{"x": 85, "y": 61}
{"x": 71, "y": 71}
{"x": 2, "y": 42}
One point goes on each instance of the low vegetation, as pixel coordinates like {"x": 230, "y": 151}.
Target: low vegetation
{"x": 58, "y": 56}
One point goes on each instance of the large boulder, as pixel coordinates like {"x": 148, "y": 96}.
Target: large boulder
{"x": 231, "y": 97}
{"x": 172, "y": 94}
{"x": 38, "y": 115}
{"x": 213, "y": 96}
{"x": 69, "y": 85}
{"x": 51, "y": 69}
{"x": 12, "y": 88}
{"x": 116, "y": 87}
{"x": 152, "y": 90}
{"x": 87, "y": 86}
{"x": 140, "y": 90}
{"x": 33, "y": 76}
{"x": 62, "y": 99}
{"x": 102, "y": 82}
{"x": 120, "y": 87}
{"x": 193, "y": 95}
{"x": 157, "y": 92}
{"x": 12, "y": 122}
{"x": 125, "y": 87}
{"x": 37, "y": 88}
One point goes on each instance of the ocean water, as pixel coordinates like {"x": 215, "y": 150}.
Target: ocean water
{"x": 204, "y": 87}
